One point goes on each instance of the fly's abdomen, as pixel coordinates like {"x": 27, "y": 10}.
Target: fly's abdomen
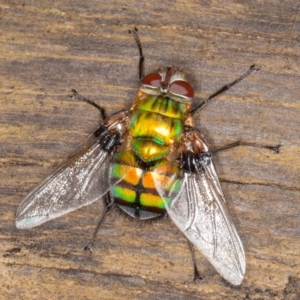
{"x": 135, "y": 193}
{"x": 157, "y": 122}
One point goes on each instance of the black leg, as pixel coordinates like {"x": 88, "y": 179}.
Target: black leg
{"x": 77, "y": 96}
{"x": 223, "y": 89}
{"x": 276, "y": 148}
{"x": 197, "y": 275}
{"x": 142, "y": 58}
{"x": 109, "y": 205}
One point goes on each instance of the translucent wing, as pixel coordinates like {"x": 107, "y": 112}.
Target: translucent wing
{"x": 81, "y": 180}
{"x": 199, "y": 210}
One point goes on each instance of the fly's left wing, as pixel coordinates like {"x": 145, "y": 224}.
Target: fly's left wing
{"x": 81, "y": 180}
{"x": 199, "y": 209}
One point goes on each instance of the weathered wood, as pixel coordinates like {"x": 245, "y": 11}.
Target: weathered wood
{"x": 49, "y": 48}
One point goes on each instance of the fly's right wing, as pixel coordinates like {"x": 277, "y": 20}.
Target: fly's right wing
{"x": 195, "y": 202}
{"x": 81, "y": 180}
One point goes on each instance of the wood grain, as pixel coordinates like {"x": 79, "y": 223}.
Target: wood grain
{"x": 48, "y": 48}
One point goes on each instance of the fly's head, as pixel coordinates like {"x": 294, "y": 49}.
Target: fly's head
{"x": 170, "y": 82}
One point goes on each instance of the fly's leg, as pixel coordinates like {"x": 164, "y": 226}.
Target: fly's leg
{"x": 197, "y": 275}
{"x": 134, "y": 32}
{"x": 77, "y": 96}
{"x": 223, "y": 89}
{"x": 275, "y": 148}
{"x": 109, "y": 206}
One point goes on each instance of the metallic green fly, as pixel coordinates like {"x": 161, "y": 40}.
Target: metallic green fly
{"x": 149, "y": 161}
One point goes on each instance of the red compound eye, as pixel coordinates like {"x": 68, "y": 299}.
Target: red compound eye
{"x": 181, "y": 88}
{"x": 153, "y": 80}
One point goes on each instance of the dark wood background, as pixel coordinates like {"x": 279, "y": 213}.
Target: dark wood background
{"x": 49, "y": 47}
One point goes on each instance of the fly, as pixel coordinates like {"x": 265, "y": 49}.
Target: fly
{"x": 149, "y": 161}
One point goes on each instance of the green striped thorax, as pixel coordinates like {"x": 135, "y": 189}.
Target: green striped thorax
{"x": 159, "y": 113}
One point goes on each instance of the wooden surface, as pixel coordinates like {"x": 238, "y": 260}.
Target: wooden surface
{"x": 49, "y": 47}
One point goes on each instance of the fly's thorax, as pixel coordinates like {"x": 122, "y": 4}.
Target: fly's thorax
{"x": 156, "y": 124}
